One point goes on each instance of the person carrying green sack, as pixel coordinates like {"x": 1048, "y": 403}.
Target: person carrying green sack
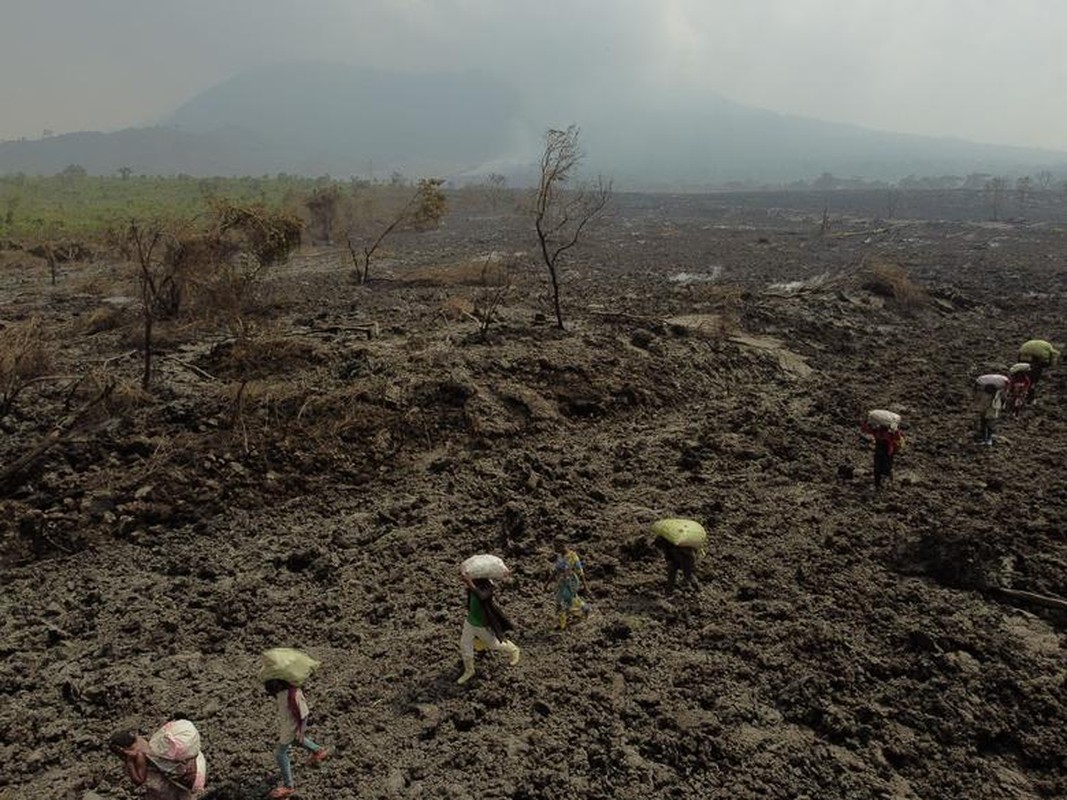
{"x": 1040, "y": 355}
{"x": 281, "y": 673}
{"x": 680, "y": 541}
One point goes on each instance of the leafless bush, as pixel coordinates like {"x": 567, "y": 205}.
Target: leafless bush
{"x": 496, "y": 288}
{"x": 367, "y": 226}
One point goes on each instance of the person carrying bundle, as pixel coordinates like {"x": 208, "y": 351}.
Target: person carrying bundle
{"x": 169, "y": 765}
{"x": 283, "y": 673}
{"x": 485, "y": 623}
{"x": 679, "y": 540}
{"x": 1040, "y": 355}
{"x": 883, "y": 427}
{"x": 569, "y": 577}
{"x": 1019, "y": 385}
{"x": 989, "y": 398}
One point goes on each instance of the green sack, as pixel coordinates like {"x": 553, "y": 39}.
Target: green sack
{"x": 1039, "y": 350}
{"x": 286, "y": 664}
{"x": 681, "y": 532}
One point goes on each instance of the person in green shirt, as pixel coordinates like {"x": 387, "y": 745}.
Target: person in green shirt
{"x": 485, "y": 624}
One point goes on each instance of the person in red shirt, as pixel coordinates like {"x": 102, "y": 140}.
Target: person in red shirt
{"x": 887, "y": 441}
{"x": 1019, "y": 386}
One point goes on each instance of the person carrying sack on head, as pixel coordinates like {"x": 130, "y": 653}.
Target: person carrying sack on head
{"x": 989, "y": 398}
{"x": 169, "y": 765}
{"x": 485, "y": 624}
{"x": 881, "y": 426}
{"x": 680, "y": 541}
{"x": 1040, "y": 355}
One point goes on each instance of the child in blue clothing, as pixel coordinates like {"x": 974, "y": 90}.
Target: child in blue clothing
{"x": 569, "y": 576}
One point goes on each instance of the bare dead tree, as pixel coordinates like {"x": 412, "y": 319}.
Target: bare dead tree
{"x": 496, "y": 287}
{"x": 561, "y": 215}
{"x": 322, "y": 205}
{"x": 157, "y": 286}
{"x": 995, "y": 189}
{"x": 892, "y": 197}
{"x": 423, "y": 209}
{"x": 496, "y": 189}
{"x": 1023, "y": 189}
{"x": 50, "y": 257}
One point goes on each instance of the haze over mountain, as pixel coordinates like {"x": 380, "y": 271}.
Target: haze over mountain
{"x": 316, "y": 118}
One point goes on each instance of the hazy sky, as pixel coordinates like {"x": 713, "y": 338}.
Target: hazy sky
{"x": 986, "y": 70}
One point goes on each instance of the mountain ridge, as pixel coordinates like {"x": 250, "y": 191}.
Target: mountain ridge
{"x": 315, "y": 118}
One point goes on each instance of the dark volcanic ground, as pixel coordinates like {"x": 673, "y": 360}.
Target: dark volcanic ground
{"x": 305, "y": 486}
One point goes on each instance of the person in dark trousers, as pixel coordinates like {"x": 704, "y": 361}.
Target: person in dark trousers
{"x": 678, "y": 558}
{"x": 485, "y": 625}
{"x": 887, "y": 441}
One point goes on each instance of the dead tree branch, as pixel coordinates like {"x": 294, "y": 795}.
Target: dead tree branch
{"x": 1035, "y": 599}
{"x": 62, "y": 431}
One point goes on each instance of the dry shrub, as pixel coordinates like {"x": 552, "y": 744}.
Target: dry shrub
{"x": 279, "y": 409}
{"x": 349, "y": 414}
{"x": 212, "y": 270}
{"x": 18, "y": 259}
{"x": 126, "y": 393}
{"x": 889, "y": 280}
{"x": 166, "y": 335}
{"x": 126, "y": 396}
{"x": 26, "y": 353}
{"x": 103, "y": 281}
{"x": 273, "y": 402}
{"x": 457, "y": 308}
{"x": 216, "y": 282}
{"x": 63, "y": 250}
{"x": 105, "y": 318}
{"x": 724, "y": 300}
{"x": 489, "y": 271}
{"x": 260, "y": 358}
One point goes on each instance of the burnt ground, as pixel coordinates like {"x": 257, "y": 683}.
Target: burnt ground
{"x": 290, "y": 481}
